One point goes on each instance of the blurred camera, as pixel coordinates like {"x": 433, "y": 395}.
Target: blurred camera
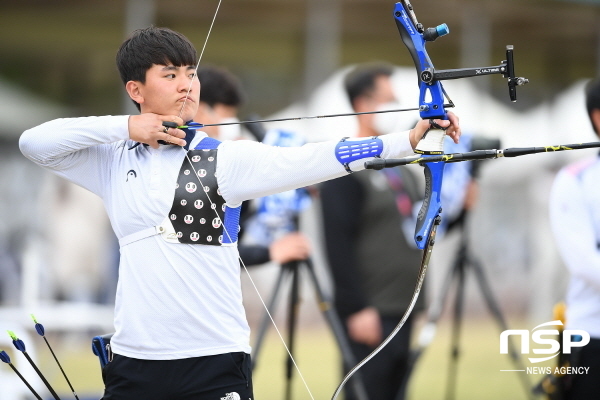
{"x": 482, "y": 143}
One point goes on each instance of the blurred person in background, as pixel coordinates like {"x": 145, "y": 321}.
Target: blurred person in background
{"x": 575, "y": 220}
{"x": 221, "y": 97}
{"x": 81, "y": 259}
{"x": 22, "y": 226}
{"x": 181, "y": 328}
{"x": 368, "y": 222}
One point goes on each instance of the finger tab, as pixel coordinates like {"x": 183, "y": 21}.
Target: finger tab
{"x": 169, "y": 124}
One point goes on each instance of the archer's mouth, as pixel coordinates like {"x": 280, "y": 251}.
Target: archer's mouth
{"x": 186, "y": 99}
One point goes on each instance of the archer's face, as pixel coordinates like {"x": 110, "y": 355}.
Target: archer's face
{"x": 383, "y": 93}
{"x": 165, "y": 91}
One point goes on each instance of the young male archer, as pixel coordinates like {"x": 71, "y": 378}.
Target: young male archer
{"x": 181, "y": 330}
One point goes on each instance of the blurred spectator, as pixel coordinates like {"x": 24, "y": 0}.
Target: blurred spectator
{"x": 221, "y": 96}
{"x": 21, "y": 219}
{"x": 374, "y": 266}
{"x": 369, "y": 222}
{"x": 82, "y": 260}
{"x": 575, "y": 219}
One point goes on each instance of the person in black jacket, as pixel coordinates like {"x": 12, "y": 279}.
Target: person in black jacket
{"x": 373, "y": 264}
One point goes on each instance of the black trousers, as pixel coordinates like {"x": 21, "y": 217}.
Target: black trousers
{"x": 220, "y": 377}
{"x": 384, "y": 374}
{"x": 586, "y": 386}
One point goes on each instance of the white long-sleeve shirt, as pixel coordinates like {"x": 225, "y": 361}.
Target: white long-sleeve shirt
{"x": 575, "y": 220}
{"x": 178, "y": 300}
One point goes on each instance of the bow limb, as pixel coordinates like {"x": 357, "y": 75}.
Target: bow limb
{"x": 431, "y": 106}
{"x": 422, "y": 271}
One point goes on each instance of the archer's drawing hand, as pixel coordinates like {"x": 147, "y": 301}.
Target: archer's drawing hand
{"x": 147, "y": 128}
{"x": 365, "y": 327}
{"x": 451, "y": 125}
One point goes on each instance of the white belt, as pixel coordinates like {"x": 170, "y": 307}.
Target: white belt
{"x": 143, "y": 234}
{"x": 165, "y": 229}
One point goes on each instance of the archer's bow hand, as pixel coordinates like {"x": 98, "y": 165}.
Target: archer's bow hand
{"x": 451, "y": 126}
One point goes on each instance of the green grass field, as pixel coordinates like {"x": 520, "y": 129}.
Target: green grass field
{"x": 478, "y": 373}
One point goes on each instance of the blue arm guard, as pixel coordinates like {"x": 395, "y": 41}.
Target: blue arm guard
{"x": 347, "y": 151}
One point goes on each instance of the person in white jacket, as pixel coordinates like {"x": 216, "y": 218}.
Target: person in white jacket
{"x": 575, "y": 220}
{"x": 173, "y": 196}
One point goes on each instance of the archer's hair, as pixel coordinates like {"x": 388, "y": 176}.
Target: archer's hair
{"x": 219, "y": 86}
{"x": 592, "y": 100}
{"x": 361, "y": 80}
{"x": 148, "y": 46}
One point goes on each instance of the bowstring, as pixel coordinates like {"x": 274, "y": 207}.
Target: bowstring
{"x": 213, "y": 206}
{"x": 212, "y": 23}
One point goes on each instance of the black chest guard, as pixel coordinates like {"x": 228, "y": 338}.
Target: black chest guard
{"x": 199, "y": 214}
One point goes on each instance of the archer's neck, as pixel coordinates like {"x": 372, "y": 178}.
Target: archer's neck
{"x": 366, "y": 130}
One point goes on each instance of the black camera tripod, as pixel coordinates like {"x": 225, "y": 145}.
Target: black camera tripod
{"x": 292, "y": 270}
{"x": 325, "y": 304}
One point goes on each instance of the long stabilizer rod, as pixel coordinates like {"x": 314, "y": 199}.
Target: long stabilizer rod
{"x": 476, "y": 155}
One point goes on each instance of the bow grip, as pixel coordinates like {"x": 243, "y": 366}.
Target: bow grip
{"x": 431, "y": 144}
{"x": 432, "y": 141}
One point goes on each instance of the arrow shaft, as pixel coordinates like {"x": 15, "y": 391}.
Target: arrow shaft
{"x": 60, "y": 366}
{"x": 37, "y": 396}
{"x": 306, "y": 118}
{"x": 42, "y": 377}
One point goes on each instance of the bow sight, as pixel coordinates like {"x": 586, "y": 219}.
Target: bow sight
{"x": 415, "y": 36}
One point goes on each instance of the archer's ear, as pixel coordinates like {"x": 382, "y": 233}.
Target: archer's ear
{"x": 360, "y": 104}
{"x": 134, "y": 92}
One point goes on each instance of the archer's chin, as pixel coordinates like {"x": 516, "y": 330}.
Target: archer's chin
{"x": 189, "y": 112}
